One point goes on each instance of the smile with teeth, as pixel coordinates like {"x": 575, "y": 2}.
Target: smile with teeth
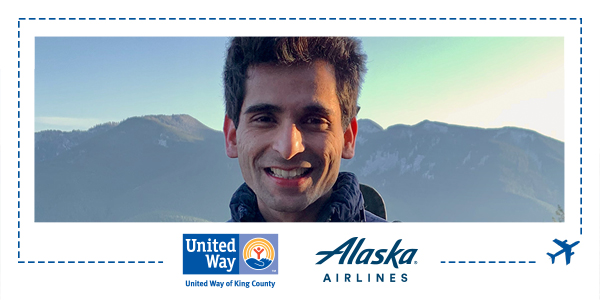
{"x": 288, "y": 174}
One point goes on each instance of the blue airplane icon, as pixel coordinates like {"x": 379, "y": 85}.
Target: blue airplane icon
{"x": 566, "y": 249}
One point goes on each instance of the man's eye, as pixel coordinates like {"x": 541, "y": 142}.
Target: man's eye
{"x": 317, "y": 123}
{"x": 316, "y": 120}
{"x": 264, "y": 119}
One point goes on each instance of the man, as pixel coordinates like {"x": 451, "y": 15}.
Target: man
{"x": 291, "y": 117}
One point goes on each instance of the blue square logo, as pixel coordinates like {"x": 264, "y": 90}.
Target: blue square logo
{"x": 230, "y": 254}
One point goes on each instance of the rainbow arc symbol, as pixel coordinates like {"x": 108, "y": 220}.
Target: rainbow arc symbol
{"x": 261, "y": 247}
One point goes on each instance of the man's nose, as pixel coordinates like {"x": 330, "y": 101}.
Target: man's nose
{"x": 288, "y": 141}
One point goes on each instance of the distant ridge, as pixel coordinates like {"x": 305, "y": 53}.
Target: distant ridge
{"x": 433, "y": 171}
{"x": 159, "y": 168}
{"x": 150, "y": 168}
{"x": 51, "y": 143}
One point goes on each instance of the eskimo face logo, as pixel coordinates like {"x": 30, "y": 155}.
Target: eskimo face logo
{"x": 258, "y": 253}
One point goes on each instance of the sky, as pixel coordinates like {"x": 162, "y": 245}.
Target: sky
{"x": 487, "y": 82}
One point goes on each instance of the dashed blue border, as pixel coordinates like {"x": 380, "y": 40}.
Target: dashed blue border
{"x": 296, "y": 19}
{"x": 283, "y": 19}
{"x": 581, "y": 127}
{"x": 90, "y": 262}
{"x": 488, "y": 262}
{"x": 19, "y": 140}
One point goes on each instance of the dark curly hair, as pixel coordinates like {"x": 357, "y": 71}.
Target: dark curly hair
{"x": 343, "y": 53}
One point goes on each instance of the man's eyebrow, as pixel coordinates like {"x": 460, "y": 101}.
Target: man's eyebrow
{"x": 263, "y": 107}
{"x": 317, "y": 109}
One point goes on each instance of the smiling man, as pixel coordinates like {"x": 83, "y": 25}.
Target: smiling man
{"x": 291, "y": 117}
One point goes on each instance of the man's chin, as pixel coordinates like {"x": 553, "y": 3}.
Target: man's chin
{"x": 288, "y": 204}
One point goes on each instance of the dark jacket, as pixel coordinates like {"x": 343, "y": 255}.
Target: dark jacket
{"x": 346, "y": 204}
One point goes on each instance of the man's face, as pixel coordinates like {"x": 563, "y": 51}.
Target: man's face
{"x": 290, "y": 140}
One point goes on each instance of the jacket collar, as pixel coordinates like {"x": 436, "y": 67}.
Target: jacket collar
{"x": 345, "y": 204}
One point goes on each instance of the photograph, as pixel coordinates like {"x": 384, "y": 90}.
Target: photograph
{"x": 440, "y": 129}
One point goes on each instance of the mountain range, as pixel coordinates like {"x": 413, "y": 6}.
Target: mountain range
{"x": 174, "y": 168}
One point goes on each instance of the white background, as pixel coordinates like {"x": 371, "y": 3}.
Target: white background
{"x": 299, "y": 277}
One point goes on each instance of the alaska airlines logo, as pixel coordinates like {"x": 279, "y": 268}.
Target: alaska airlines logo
{"x": 253, "y": 251}
{"x": 221, "y": 254}
{"x": 396, "y": 256}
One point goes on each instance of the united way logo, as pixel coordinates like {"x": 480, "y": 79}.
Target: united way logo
{"x": 259, "y": 253}
{"x": 223, "y": 253}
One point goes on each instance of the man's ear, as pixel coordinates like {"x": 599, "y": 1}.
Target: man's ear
{"x": 230, "y": 137}
{"x": 350, "y": 139}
